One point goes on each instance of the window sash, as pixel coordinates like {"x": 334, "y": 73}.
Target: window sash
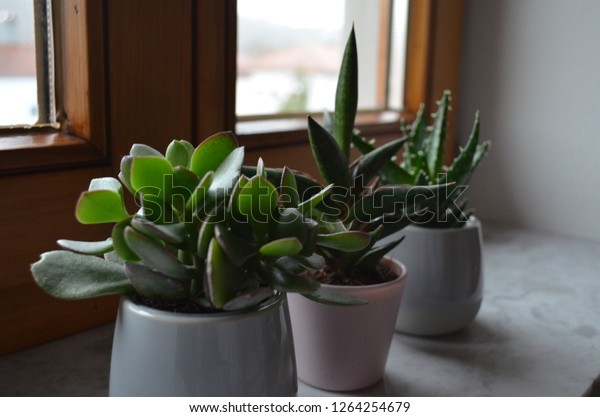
{"x": 79, "y": 136}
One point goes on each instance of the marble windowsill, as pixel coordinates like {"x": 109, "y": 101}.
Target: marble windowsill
{"x": 537, "y": 334}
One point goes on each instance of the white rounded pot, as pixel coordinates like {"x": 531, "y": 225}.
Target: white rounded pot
{"x": 343, "y": 348}
{"x": 158, "y": 353}
{"x": 444, "y": 291}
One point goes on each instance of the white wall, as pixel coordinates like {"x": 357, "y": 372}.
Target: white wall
{"x": 533, "y": 69}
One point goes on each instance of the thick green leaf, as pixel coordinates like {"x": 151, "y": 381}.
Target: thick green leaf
{"x": 314, "y": 261}
{"x": 190, "y": 148}
{"x": 372, "y": 163}
{"x": 330, "y": 159}
{"x": 227, "y": 174}
{"x": 291, "y": 265}
{"x": 87, "y": 248}
{"x": 361, "y": 143}
{"x": 394, "y": 174}
{"x": 260, "y": 168}
{"x": 461, "y": 167}
{"x": 73, "y": 276}
{"x": 282, "y": 280}
{"x": 346, "y": 97}
{"x": 156, "y": 210}
{"x": 184, "y": 182}
{"x": 479, "y": 154}
{"x": 370, "y": 259}
{"x": 125, "y": 174}
{"x": 139, "y": 149}
{"x": 178, "y": 154}
{"x": 198, "y": 198}
{"x": 395, "y": 200}
{"x": 223, "y": 279}
{"x": 414, "y": 158}
{"x": 150, "y": 176}
{"x": 113, "y": 257}
{"x": 435, "y": 154}
{"x": 393, "y": 224}
{"x": 205, "y": 236}
{"x": 291, "y": 223}
{"x": 236, "y": 221}
{"x": 288, "y": 246}
{"x": 150, "y": 283}
{"x": 175, "y": 233}
{"x": 212, "y": 152}
{"x": 100, "y": 206}
{"x": 106, "y": 183}
{"x": 335, "y": 298}
{"x": 390, "y": 173}
{"x": 248, "y": 299}
{"x": 307, "y": 186}
{"x": 350, "y": 241}
{"x": 288, "y": 189}
{"x": 237, "y": 249}
{"x": 257, "y": 201}
{"x": 309, "y": 205}
{"x": 120, "y": 245}
{"x": 156, "y": 256}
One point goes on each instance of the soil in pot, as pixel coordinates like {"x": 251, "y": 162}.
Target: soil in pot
{"x": 384, "y": 271}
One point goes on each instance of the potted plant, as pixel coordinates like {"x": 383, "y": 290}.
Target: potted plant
{"x": 339, "y": 347}
{"x": 443, "y": 249}
{"x": 202, "y": 267}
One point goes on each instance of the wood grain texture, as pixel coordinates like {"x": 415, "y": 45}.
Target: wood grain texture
{"x": 29, "y": 317}
{"x": 215, "y": 68}
{"x": 35, "y": 211}
{"x": 75, "y": 83}
{"x": 433, "y": 58}
{"x": 445, "y": 51}
{"x": 150, "y": 69}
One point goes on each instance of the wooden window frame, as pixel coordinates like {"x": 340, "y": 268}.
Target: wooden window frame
{"x": 432, "y": 65}
{"x": 151, "y": 71}
{"x": 80, "y": 98}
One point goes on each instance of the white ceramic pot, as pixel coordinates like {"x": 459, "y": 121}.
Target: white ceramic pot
{"x": 158, "y": 353}
{"x": 343, "y": 348}
{"x": 444, "y": 291}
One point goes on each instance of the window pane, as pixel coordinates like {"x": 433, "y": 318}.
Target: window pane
{"x": 397, "y": 67}
{"x": 18, "y": 84}
{"x": 289, "y": 53}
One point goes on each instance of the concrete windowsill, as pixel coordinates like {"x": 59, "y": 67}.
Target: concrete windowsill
{"x": 537, "y": 334}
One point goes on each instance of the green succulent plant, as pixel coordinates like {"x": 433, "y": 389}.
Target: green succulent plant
{"x": 422, "y": 164}
{"x": 205, "y": 238}
{"x": 353, "y": 213}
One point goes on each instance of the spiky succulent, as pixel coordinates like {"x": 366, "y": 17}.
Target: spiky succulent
{"x": 422, "y": 164}
{"x": 352, "y": 212}
{"x": 205, "y": 237}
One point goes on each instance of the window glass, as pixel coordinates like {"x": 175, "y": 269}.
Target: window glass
{"x": 289, "y": 53}
{"x": 18, "y": 83}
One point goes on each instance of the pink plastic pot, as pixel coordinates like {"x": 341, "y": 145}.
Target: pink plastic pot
{"x": 343, "y": 348}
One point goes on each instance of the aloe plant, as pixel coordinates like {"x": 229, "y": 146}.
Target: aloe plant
{"x": 422, "y": 164}
{"x": 205, "y": 238}
{"x": 352, "y": 211}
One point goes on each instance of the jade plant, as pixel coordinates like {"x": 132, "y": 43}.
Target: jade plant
{"x": 204, "y": 238}
{"x": 422, "y": 164}
{"x": 353, "y": 212}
